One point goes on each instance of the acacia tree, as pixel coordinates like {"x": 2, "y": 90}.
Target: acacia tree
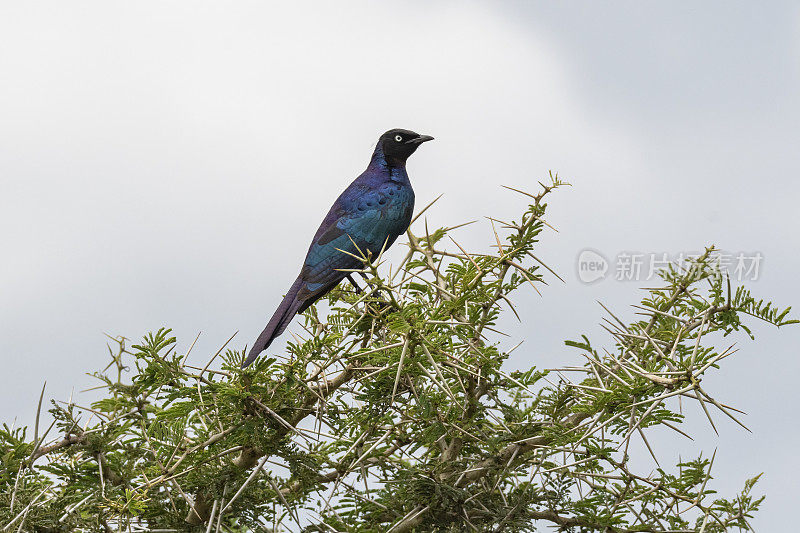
{"x": 394, "y": 414}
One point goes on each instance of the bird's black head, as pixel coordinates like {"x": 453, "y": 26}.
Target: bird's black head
{"x": 398, "y": 145}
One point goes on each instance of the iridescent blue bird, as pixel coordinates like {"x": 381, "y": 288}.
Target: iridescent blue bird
{"x": 366, "y": 218}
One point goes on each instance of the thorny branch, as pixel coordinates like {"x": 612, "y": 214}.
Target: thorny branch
{"x": 394, "y": 413}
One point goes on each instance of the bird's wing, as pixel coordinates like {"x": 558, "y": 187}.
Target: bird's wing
{"x": 368, "y": 221}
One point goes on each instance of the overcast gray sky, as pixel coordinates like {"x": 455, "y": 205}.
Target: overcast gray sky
{"x": 166, "y": 163}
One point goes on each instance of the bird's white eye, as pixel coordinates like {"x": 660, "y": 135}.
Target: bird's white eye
{"x": 398, "y": 138}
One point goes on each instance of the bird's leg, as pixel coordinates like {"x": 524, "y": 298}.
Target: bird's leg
{"x": 383, "y": 303}
{"x": 364, "y": 277}
{"x": 358, "y": 289}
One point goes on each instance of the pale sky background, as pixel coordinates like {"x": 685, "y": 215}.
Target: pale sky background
{"x": 166, "y": 163}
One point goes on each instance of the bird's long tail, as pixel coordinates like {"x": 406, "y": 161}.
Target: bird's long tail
{"x": 283, "y": 315}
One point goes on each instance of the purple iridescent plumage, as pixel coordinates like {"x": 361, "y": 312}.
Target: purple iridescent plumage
{"x": 367, "y": 217}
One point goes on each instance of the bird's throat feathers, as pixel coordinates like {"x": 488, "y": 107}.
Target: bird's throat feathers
{"x": 395, "y": 167}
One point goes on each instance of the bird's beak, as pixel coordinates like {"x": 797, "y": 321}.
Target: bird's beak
{"x": 419, "y": 140}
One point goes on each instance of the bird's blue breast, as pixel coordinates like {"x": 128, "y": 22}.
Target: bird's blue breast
{"x": 366, "y": 218}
